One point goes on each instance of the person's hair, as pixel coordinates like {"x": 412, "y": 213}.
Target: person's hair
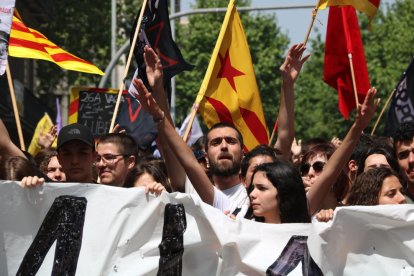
{"x": 385, "y": 150}
{"x": 15, "y": 168}
{"x": 222, "y": 125}
{"x": 153, "y": 168}
{"x": 124, "y": 141}
{"x": 310, "y": 143}
{"x": 367, "y": 186}
{"x": 260, "y": 150}
{"x": 340, "y": 186}
{"x": 43, "y": 158}
{"x": 326, "y": 149}
{"x": 404, "y": 133}
{"x": 290, "y": 191}
{"x": 199, "y": 144}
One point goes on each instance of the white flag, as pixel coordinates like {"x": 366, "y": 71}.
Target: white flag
{"x": 6, "y": 18}
{"x": 195, "y": 132}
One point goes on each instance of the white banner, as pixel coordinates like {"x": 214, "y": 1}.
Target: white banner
{"x": 88, "y": 229}
{"x": 6, "y": 17}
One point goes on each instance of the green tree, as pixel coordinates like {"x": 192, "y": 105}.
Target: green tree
{"x": 82, "y": 28}
{"x": 388, "y": 50}
{"x": 197, "y": 40}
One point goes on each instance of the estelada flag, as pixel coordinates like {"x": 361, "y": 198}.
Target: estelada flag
{"x": 229, "y": 91}
{"x": 343, "y": 37}
{"x": 29, "y": 43}
{"x": 369, "y": 7}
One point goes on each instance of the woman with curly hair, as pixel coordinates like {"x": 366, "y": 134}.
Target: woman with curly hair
{"x": 376, "y": 187}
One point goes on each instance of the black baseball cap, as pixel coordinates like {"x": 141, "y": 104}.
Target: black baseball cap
{"x": 75, "y": 132}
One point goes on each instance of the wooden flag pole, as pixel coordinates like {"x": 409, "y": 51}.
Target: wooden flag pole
{"x": 314, "y": 13}
{"x": 351, "y": 65}
{"x": 134, "y": 41}
{"x": 383, "y": 110}
{"x": 274, "y": 131}
{"x": 15, "y": 110}
{"x": 190, "y": 123}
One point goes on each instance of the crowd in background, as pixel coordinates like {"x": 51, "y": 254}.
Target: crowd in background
{"x": 288, "y": 183}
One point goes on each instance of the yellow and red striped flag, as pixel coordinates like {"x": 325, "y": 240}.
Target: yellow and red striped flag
{"x": 229, "y": 91}
{"x": 369, "y": 7}
{"x": 28, "y": 43}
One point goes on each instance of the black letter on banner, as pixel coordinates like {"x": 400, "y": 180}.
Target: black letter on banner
{"x": 172, "y": 244}
{"x": 64, "y": 223}
{"x": 295, "y": 251}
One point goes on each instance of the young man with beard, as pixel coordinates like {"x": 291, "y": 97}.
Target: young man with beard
{"x": 404, "y": 149}
{"x": 224, "y": 149}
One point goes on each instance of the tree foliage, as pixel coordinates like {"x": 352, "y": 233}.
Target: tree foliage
{"x": 83, "y": 28}
{"x": 388, "y": 50}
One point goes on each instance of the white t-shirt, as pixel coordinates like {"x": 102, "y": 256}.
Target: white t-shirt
{"x": 226, "y": 200}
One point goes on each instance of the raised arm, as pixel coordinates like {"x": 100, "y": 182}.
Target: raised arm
{"x": 340, "y": 157}
{"x": 290, "y": 71}
{"x": 7, "y": 147}
{"x": 180, "y": 149}
{"x": 155, "y": 78}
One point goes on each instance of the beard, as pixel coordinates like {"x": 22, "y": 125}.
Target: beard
{"x": 225, "y": 170}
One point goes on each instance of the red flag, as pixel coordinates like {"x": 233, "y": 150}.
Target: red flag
{"x": 343, "y": 38}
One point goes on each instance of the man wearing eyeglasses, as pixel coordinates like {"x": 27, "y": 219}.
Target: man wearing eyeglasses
{"x": 76, "y": 153}
{"x": 116, "y": 155}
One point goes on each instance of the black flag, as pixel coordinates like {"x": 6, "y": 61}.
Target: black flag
{"x": 402, "y": 106}
{"x": 155, "y": 31}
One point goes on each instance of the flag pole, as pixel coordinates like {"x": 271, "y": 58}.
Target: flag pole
{"x": 190, "y": 123}
{"x": 351, "y": 65}
{"x": 209, "y": 72}
{"x": 15, "y": 110}
{"x": 314, "y": 13}
{"x": 274, "y": 131}
{"x": 134, "y": 41}
{"x": 383, "y": 110}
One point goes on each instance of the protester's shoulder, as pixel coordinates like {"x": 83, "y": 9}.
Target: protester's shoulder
{"x": 408, "y": 199}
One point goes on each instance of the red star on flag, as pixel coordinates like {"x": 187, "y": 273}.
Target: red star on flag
{"x": 228, "y": 71}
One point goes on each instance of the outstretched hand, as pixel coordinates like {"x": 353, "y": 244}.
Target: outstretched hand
{"x": 46, "y": 140}
{"x": 367, "y": 110}
{"x": 294, "y": 61}
{"x": 153, "y": 68}
{"x": 148, "y": 103}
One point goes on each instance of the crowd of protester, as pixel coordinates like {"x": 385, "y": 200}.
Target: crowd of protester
{"x": 288, "y": 183}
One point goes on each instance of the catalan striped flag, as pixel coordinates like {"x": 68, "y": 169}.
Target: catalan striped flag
{"x": 28, "y": 43}
{"x": 369, "y": 7}
{"x": 229, "y": 91}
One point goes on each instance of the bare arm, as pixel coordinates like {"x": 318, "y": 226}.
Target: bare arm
{"x": 290, "y": 71}
{"x": 180, "y": 149}
{"x": 7, "y": 147}
{"x": 340, "y": 157}
{"x": 155, "y": 78}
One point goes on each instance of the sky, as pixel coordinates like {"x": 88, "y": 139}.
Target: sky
{"x": 294, "y": 22}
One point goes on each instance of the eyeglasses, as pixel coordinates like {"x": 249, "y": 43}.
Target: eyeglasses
{"x": 109, "y": 158}
{"x": 317, "y": 167}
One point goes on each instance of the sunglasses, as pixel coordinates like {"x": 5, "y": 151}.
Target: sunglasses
{"x": 317, "y": 167}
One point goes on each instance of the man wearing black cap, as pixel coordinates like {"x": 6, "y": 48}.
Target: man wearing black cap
{"x": 76, "y": 153}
